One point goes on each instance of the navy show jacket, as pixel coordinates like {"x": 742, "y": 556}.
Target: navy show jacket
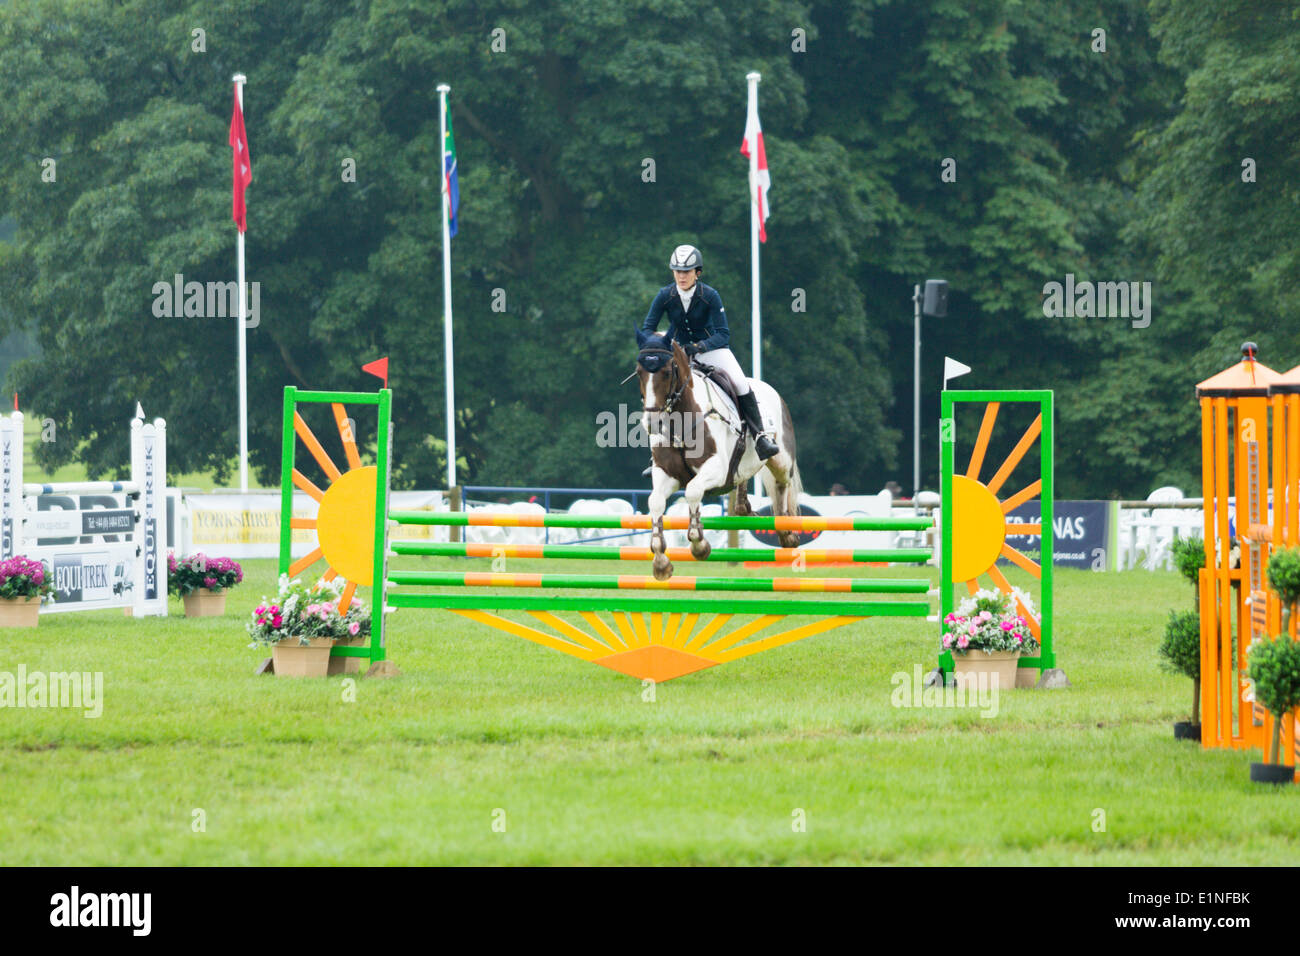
{"x": 705, "y": 323}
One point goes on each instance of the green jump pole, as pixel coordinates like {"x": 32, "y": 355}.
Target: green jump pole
{"x": 638, "y": 582}
{"x": 664, "y": 605}
{"x": 804, "y": 523}
{"x": 599, "y": 553}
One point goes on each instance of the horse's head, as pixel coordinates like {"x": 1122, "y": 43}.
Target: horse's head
{"x": 664, "y": 374}
{"x": 668, "y": 403}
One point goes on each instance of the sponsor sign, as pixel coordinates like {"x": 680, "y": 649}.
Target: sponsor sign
{"x": 1081, "y": 534}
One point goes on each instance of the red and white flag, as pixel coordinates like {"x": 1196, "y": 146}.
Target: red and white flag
{"x": 759, "y": 180}
{"x": 243, "y": 164}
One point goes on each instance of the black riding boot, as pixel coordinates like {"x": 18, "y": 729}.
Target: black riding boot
{"x": 764, "y": 447}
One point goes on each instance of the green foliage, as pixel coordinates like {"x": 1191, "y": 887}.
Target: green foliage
{"x": 1068, "y": 161}
{"x": 1275, "y": 673}
{"x": 1189, "y": 557}
{"x": 1284, "y": 574}
{"x": 1180, "y": 650}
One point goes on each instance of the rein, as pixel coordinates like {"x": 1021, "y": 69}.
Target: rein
{"x": 676, "y": 385}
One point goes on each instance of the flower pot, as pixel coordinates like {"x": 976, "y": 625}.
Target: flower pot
{"x": 347, "y": 665}
{"x": 293, "y": 659}
{"x": 1186, "y": 730}
{"x": 205, "y": 603}
{"x": 20, "y": 612}
{"x": 967, "y": 667}
{"x": 1271, "y": 773}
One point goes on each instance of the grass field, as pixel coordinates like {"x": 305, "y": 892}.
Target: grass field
{"x": 483, "y": 728}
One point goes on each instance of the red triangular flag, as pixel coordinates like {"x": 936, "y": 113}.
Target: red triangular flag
{"x": 243, "y": 165}
{"x": 15, "y": 401}
{"x": 761, "y": 183}
{"x": 378, "y": 368}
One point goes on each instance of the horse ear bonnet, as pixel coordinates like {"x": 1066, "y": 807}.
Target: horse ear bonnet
{"x": 655, "y": 354}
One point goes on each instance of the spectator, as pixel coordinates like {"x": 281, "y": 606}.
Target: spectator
{"x": 894, "y": 489}
{"x": 838, "y": 489}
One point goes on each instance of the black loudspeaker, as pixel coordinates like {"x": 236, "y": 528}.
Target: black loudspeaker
{"x": 936, "y": 298}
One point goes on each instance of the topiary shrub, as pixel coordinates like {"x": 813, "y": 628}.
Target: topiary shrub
{"x": 1284, "y": 578}
{"x": 1180, "y": 652}
{"x": 1189, "y": 557}
{"x": 1275, "y": 673}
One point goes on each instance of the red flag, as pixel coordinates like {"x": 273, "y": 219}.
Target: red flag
{"x": 378, "y": 368}
{"x": 243, "y": 164}
{"x": 758, "y": 187}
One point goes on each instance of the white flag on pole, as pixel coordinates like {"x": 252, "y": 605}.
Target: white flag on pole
{"x": 952, "y": 368}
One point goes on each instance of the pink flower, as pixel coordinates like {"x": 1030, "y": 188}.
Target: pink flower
{"x": 1006, "y": 625}
{"x": 276, "y": 621}
{"x": 963, "y": 641}
{"x": 947, "y": 640}
{"x": 354, "y": 628}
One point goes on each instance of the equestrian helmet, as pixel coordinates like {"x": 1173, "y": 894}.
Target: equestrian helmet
{"x": 685, "y": 258}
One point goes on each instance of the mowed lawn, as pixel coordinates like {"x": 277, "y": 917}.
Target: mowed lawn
{"x": 491, "y": 750}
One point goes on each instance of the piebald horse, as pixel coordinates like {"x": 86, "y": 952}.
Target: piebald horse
{"x": 693, "y": 441}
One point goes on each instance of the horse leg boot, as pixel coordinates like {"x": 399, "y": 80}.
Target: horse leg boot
{"x": 700, "y": 546}
{"x": 663, "y": 486}
{"x": 663, "y": 568}
{"x": 764, "y": 447}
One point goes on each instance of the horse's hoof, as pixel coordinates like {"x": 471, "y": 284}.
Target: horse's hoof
{"x": 788, "y": 539}
{"x": 663, "y": 571}
{"x": 701, "y": 548}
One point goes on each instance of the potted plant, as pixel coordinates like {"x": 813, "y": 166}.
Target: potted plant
{"x": 202, "y": 582}
{"x": 1275, "y": 681}
{"x": 302, "y": 623}
{"x": 1274, "y": 665}
{"x": 23, "y": 583}
{"x": 1181, "y": 647}
{"x": 987, "y": 636}
{"x": 1189, "y": 559}
{"x": 1181, "y": 654}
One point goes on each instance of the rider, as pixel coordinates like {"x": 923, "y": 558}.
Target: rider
{"x": 698, "y": 321}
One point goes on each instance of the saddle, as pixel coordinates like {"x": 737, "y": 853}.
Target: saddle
{"x": 726, "y": 384}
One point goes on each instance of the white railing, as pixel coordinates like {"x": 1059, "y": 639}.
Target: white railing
{"x": 1148, "y": 530}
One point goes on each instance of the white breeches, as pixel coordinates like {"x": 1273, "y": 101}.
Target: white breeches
{"x": 723, "y": 359}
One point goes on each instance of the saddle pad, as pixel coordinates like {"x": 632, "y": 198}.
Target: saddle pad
{"x": 721, "y": 402}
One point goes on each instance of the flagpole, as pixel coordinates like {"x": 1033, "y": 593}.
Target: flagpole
{"x": 755, "y": 322}
{"x": 240, "y": 80}
{"x": 443, "y": 90}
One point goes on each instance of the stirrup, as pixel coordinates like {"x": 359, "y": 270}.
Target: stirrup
{"x": 758, "y": 449}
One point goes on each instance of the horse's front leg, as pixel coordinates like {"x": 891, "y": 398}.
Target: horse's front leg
{"x": 664, "y": 485}
{"x": 709, "y": 475}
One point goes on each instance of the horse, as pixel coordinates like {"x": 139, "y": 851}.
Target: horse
{"x": 698, "y": 443}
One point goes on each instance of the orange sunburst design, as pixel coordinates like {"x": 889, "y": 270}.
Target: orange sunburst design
{"x": 344, "y": 523}
{"x": 652, "y": 645}
{"x": 979, "y": 520}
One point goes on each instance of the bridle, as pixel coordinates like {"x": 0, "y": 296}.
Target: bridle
{"x": 676, "y": 384}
